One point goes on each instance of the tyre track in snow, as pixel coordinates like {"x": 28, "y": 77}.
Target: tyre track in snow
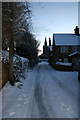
{"x": 38, "y": 99}
{"x": 41, "y": 100}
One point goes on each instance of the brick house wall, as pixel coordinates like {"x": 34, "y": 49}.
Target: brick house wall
{"x": 60, "y": 56}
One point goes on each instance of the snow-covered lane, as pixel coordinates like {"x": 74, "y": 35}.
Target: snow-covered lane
{"x": 46, "y": 93}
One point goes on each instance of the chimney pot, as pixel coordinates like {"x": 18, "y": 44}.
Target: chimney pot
{"x": 76, "y": 30}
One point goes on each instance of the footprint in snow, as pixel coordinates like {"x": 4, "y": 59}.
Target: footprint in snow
{"x": 63, "y": 105}
{"x": 20, "y": 99}
{"x": 18, "y": 105}
{"x": 54, "y": 98}
{"x": 60, "y": 84}
{"x": 67, "y": 109}
{"x": 25, "y": 102}
{"x": 12, "y": 113}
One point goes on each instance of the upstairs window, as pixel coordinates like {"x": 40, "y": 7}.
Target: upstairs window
{"x": 64, "y": 49}
{"x": 74, "y": 48}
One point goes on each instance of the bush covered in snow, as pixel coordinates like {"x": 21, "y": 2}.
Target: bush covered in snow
{"x": 19, "y": 65}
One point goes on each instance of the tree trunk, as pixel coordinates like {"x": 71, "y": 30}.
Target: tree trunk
{"x": 11, "y": 45}
{"x": 11, "y": 50}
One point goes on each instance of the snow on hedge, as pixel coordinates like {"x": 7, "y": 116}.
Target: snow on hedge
{"x": 20, "y": 64}
{"x": 5, "y": 57}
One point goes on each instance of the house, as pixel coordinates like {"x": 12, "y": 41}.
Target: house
{"x": 64, "y": 45}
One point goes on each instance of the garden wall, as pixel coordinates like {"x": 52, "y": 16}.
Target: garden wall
{"x": 62, "y": 67}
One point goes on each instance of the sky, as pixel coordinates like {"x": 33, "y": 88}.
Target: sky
{"x": 79, "y": 17}
{"x": 53, "y": 17}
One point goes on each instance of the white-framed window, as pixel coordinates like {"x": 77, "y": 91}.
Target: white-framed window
{"x": 64, "y": 49}
{"x": 66, "y": 60}
{"x": 74, "y": 48}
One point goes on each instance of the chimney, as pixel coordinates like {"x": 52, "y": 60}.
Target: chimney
{"x": 76, "y": 30}
{"x": 49, "y": 42}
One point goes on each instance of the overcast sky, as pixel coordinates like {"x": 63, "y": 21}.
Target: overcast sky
{"x": 53, "y": 17}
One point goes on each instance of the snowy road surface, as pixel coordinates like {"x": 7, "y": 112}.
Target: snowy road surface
{"x": 46, "y": 93}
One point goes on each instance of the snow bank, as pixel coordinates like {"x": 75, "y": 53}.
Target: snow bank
{"x": 63, "y": 63}
{"x": 41, "y": 63}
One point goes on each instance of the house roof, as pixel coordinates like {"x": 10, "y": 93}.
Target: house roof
{"x": 66, "y": 39}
